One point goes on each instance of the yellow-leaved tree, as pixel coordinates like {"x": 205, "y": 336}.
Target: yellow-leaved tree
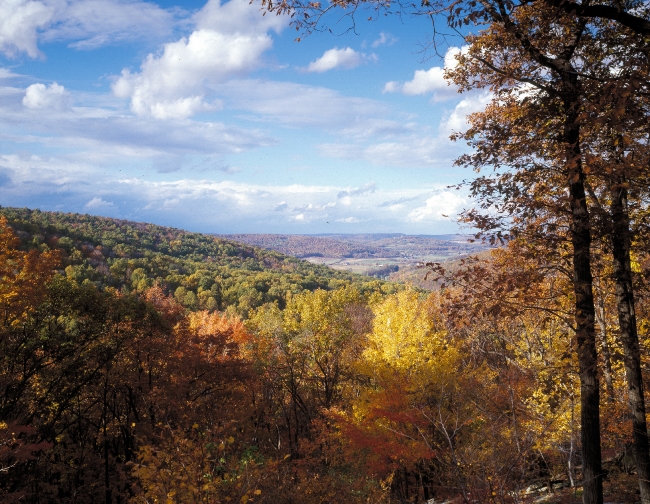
{"x": 430, "y": 420}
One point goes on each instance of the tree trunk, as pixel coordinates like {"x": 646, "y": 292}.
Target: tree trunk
{"x": 592, "y": 482}
{"x": 604, "y": 345}
{"x": 620, "y": 237}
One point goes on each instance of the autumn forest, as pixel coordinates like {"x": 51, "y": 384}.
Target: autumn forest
{"x": 147, "y": 364}
{"x": 144, "y": 364}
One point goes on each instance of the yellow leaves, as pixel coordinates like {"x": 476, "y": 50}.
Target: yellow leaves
{"x": 231, "y": 440}
{"x": 405, "y": 338}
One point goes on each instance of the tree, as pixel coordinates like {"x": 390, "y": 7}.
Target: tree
{"x": 23, "y": 275}
{"x": 550, "y": 48}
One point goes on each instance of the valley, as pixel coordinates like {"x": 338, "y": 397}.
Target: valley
{"x": 380, "y": 255}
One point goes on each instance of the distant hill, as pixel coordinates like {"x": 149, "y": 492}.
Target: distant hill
{"x": 308, "y": 246}
{"x": 202, "y": 271}
{"x": 358, "y": 246}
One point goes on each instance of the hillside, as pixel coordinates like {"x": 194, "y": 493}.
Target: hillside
{"x": 140, "y": 363}
{"x": 394, "y": 257}
{"x": 202, "y": 271}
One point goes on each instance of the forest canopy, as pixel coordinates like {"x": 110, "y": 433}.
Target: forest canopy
{"x": 114, "y": 387}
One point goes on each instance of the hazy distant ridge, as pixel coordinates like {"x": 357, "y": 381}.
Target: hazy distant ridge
{"x": 361, "y": 245}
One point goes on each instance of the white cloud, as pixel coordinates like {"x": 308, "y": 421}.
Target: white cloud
{"x": 237, "y": 16}
{"x": 38, "y": 173}
{"x": 336, "y": 58}
{"x": 98, "y": 203}
{"x": 384, "y": 39}
{"x": 429, "y": 81}
{"x": 426, "y": 81}
{"x": 457, "y": 120}
{"x": 368, "y": 188}
{"x": 86, "y": 24}
{"x": 20, "y": 21}
{"x": 439, "y": 206}
{"x": 230, "y": 203}
{"x": 105, "y": 133}
{"x": 298, "y": 105}
{"x": 207, "y": 205}
{"x": 228, "y": 42}
{"x": 40, "y": 96}
{"x": 89, "y": 24}
{"x": 412, "y": 151}
{"x": 173, "y": 84}
{"x": 5, "y": 73}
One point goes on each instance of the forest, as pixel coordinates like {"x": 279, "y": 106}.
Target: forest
{"x": 146, "y": 364}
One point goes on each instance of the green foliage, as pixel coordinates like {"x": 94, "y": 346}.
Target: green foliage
{"x": 201, "y": 271}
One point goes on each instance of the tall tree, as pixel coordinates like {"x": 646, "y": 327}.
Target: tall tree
{"x": 545, "y": 45}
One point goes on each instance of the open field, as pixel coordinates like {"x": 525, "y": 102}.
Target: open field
{"x": 390, "y": 256}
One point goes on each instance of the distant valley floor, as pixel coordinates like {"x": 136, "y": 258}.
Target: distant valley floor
{"x": 390, "y": 256}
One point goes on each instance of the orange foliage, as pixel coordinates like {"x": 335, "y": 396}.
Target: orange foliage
{"x": 22, "y": 275}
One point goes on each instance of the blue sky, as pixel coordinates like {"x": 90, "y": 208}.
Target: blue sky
{"x": 210, "y": 117}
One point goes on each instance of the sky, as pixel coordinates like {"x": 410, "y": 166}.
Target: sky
{"x": 211, "y": 117}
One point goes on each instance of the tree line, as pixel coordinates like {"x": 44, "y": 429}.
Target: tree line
{"x": 344, "y": 394}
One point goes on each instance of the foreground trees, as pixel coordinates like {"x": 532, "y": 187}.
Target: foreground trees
{"x": 468, "y": 393}
{"x": 562, "y": 75}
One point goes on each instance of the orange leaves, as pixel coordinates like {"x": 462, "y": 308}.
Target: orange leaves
{"x": 197, "y": 465}
{"x": 23, "y": 275}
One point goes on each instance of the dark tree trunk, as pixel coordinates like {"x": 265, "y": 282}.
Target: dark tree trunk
{"x": 604, "y": 346}
{"x": 620, "y": 236}
{"x": 592, "y": 482}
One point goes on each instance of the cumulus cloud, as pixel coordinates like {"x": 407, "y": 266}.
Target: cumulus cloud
{"x": 40, "y": 96}
{"x": 429, "y": 81}
{"x": 338, "y": 58}
{"x": 240, "y": 204}
{"x": 103, "y": 133}
{"x": 85, "y": 24}
{"x": 161, "y": 88}
{"x": 457, "y": 120}
{"x": 207, "y": 205}
{"x": 237, "y": 16}
{"x": 437, "y": 207}
{"x": 229, "y": 41}
{"x": 98, "y": 203}
{"x": 384, "y": 39}
{"x": 20, "y": 21}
